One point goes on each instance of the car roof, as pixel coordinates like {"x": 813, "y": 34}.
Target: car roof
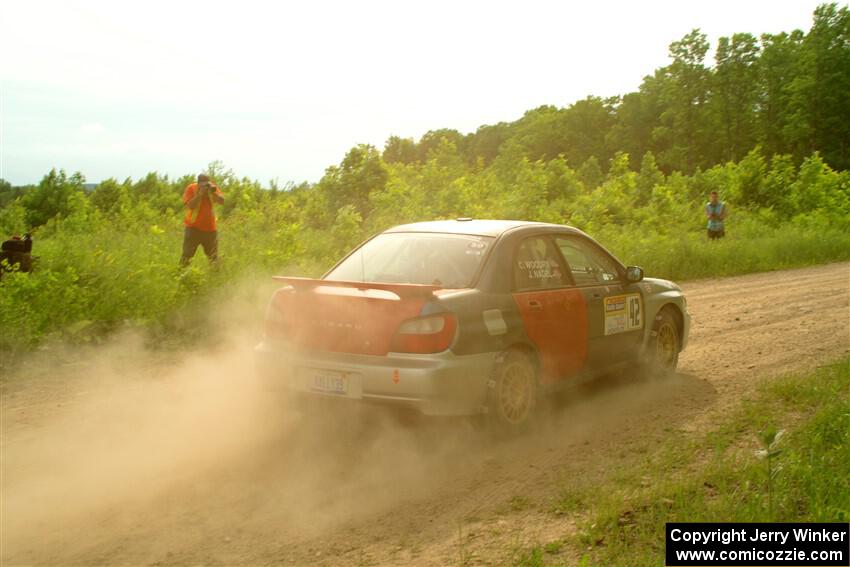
{"x": 473, "y": 227}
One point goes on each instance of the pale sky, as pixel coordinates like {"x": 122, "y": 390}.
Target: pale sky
{"x": 283, "y": 89}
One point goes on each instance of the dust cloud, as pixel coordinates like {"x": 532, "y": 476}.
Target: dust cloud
{"x": 119, "y": 454}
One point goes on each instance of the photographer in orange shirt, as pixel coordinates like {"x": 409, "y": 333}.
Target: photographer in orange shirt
{"x": 200, "y": 230}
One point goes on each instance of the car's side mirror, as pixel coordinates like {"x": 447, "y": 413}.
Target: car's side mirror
{"x": 634, "y": 274}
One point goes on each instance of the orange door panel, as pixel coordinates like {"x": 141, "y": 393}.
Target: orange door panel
{"x": 556, "y": 321}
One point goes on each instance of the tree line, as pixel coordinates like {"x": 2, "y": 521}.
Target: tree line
{"x": 788, "y": 93}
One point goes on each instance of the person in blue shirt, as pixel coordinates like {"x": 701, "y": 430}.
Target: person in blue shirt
{"x": 715, "y": 211}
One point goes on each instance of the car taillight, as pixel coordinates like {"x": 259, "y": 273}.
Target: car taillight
{"x": 424, "y": 335}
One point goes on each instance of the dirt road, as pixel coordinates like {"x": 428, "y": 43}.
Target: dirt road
{"x": 117, "y": 460}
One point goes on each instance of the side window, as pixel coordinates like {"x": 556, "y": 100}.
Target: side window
{"x": 588, "y": 264}
{"x": 537, "y": 265}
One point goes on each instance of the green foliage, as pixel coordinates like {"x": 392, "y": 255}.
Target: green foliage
{"x": 13, "y": 218}
{"x": 110, "y": 260}
{"x": 8, "y": 194}
{"x": 361, "y": 172}
{"x": 400, "y": 150}
{"x": 590, "y": 173}
{"x": 684, "y": 92}
{"x": 735, "y": 88}
{"x": 52, "y": 197}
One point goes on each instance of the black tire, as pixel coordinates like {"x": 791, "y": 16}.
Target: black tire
{"x": 512, "y": 396}
{"x": 662, "y": 351}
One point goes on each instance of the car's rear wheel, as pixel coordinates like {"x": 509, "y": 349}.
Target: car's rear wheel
{"x": 513, "y": 391}
{"x": 662, "y": 353}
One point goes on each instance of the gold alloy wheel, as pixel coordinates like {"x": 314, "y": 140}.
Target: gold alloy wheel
{"x": 666, "y": 344}
{"x": 516, "y": 391}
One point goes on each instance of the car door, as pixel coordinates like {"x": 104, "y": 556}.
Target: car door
{"x": 552, "y": 309}
{"x": 614, "y": 311}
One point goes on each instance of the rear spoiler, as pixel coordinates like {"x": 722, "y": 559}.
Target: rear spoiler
{"x": 402, "y": 290}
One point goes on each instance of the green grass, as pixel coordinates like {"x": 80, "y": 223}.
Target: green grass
{"x": 687, "y": 256}
{"x": 719, "y": 476}
{"x": 90, "y": 283}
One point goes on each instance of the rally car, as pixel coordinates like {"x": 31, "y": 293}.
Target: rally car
{"x": 467, "y": 317}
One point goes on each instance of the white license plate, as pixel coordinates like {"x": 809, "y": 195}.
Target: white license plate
{"x": 329, "y": 383}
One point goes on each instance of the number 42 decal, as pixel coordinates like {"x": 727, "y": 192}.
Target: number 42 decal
{"x": 635, "y": 313}
{"x": 623, "y": 313}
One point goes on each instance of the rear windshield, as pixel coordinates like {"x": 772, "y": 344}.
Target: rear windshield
{"x": 446, "y": 260}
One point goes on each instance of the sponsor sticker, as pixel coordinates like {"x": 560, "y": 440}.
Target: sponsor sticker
{"x": 476, "y": 248}
{"x": 623, "y": 313}
{"x": 494, "y": 322}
